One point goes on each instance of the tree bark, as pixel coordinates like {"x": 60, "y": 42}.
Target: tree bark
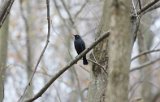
{"x": 116, "y": 16}
{"x": 3, "y": 55}
{"x": 100, "y": 55}
{"x": 120, "y": 45}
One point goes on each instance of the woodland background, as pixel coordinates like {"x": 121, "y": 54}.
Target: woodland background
{"x": 115, "y": 73}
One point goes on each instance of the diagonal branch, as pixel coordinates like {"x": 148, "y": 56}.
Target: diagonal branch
{"x": 147, "y": 6}
{"x": 69, "y": 14}
{"x": 152, "y": 8}
{"x": 59, "y": 13}
{"x": 56, "y": 76}
{"x": 144, "y": 65}
{"x": 4, "y": 10}
{"x": 72, "y": 23}
{"x": 81, "y": 9}
{"x": 144, "y": 53}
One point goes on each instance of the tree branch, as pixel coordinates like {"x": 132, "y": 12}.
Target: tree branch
{"x": 69, "y": 14}
{"x": 72, "y": 23}
{"x": 144, "y": 53}
{"x": 4, "y": 10}
{"x": 80, "y": 10}
{"x": 152, "y": 8}
{"x": 147, "y": 6}
{"x": 144, "y": 65}
{"x": 67, "y": 67}
{"x": 43, "y": 51}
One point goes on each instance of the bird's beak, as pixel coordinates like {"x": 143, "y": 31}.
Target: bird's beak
{"x": 74, "y": 35}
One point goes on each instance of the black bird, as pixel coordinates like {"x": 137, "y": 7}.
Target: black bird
{"x": 80, "y": 46}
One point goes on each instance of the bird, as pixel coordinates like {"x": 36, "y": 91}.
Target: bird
{"x": 80, "y": 47}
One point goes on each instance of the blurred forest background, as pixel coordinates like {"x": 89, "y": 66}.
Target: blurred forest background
{"x": 23, "y": 36}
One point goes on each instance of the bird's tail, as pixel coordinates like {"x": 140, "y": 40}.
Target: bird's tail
{"x": 85, "y": 62}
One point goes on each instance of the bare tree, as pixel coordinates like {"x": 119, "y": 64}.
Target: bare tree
{"x": 41, "y": 48}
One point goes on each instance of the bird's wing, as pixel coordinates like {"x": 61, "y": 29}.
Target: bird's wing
{"x": 83, "y": 45}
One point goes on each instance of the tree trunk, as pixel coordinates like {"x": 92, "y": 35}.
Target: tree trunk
{"x": 3, "y": 55}
{"x": 98, "y": 81}
{"x": 116, "y": 16}
{"x": 120, "y": 45}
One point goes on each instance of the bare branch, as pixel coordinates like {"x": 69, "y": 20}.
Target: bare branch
{"x": 70, "y": 17}
{"x": 95, "y": 62}
{"x": 144, "y": 53}
{"x": 67, "y": 67}
{"x": 4, "y": 10}
{"x": 71, "y": 24}
{"x": 59, "y": 13}
{"x": 80, "y": 10}
{"x": 43, "y": 51}
{"x": 147, "y": 6}
{"x": 144, "y": 65}
{"x": 152, "y": 8}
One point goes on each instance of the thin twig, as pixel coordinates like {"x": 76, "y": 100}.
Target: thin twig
{"x": 144, "y": 65}
{"x": 144, "y": 53}
{"x": 95, "y": 62}
{"x": 94, "y": 56}
{"x": 147, "y": 6}
{"x": 70, "y": 17}
{"x": 156, "y": 45}
{"x": 80, "y": 10}
{"x": 152, "y": 8}
{"x": 60, "y": 15}
{"x": 43, "y": 51}
{"x": 69, "y": 14}
{"x": 67, "y": 67}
